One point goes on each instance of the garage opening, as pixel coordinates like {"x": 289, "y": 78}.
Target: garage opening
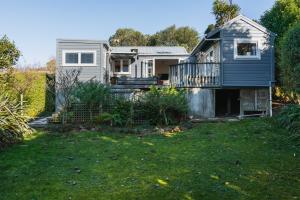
{"x": 227, "y": 103}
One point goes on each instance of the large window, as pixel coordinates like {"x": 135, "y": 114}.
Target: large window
{"x": 246, "y": 49}
{"x": 78, "y": 58}
{"x": 72, "y": 58}
{"x": 122, "y": 66}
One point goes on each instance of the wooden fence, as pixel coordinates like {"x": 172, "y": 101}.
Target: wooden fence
{"x": 195, "y": 75}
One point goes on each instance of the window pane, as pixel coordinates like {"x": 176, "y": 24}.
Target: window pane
{"x": 150, "y": 68}
{"x": 125, "y": 65}
{"x": 117, "y": 66}
{"x": 72, "y": 58}
{"x": 87, "y": 58}
{"x": 246, "y": 49}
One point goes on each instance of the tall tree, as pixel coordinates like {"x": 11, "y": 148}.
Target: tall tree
{"x": 290, "y": 62}
{"x": 128, "y": 37}
{"x": 283, "y": 15}
{"x": 224, "y": 11}
{"x": 209, "y": 28}
{"x": 172, "y": 36}
{"x": 9, "y": 53}
{"x": 187, "y": 37}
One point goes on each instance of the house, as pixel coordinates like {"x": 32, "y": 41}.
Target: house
{"x": 229, "y": 73}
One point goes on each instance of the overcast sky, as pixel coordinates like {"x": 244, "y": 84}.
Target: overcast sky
{"x": 35, "y": 25}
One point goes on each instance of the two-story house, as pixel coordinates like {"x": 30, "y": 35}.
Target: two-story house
{"x": 229, "y": 73}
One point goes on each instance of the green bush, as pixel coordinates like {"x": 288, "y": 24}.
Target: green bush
{"x": 13, "y": 124}
{"x": 91, "y": 94}
{"x": 104, "y": 118}
{"x": 290, "y": 62}
{"x": 289, "y": 118}
{"x": 164, "y": 106}
{"x": 123, "y": 112}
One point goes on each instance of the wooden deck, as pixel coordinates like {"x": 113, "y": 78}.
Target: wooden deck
{"x": 195, "y": 75}
{"x": 135, "y": 83}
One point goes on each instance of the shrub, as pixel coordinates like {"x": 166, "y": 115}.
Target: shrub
{"x": 289, "y": 118}
{"x": 91, "y": 93}
{"x": 104, "y": 118}
{"x": 164, "y": 106}
{"x": 13, "y": 124}
{"x": 123, "y": 112}
{"x": 290, "y": 62}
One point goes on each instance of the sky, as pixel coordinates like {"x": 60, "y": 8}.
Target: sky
{"x": 35, "y": 25}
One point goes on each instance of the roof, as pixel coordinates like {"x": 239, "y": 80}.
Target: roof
{"x": 151, "y": 50}
{"x": 82, "y": 41}
{"x": 240, "y": 17}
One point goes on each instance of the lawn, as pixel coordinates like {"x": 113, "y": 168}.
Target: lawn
{"x": 235, "y": 160}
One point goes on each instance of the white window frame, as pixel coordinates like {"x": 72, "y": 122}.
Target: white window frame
{"x": 146, "y": 68}
{"x": 79, "y": 52}
{"x": 121, "y": 65}
{"x": 241, "y": 40}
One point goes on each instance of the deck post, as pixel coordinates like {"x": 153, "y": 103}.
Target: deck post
{"x": 270, "y": 100}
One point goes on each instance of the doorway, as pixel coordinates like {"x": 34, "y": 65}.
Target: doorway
{"x": 227, "y": 103}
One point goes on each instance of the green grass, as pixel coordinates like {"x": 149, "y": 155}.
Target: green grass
{"x": 237, "y": 160}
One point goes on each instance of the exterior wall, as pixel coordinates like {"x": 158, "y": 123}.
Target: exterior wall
{"x": 201, "y": 103}
{"x": 96, "y": 72}
{"x": 87, "y": 72}
{"x": 201, "y": 58}
{"x": 246, "y": 72}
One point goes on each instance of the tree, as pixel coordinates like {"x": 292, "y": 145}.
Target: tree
{"x": 166, "y": 37}
{"x": 224, "y": 11}
{"x": 290, "y": 62}
{"x": 51, "y": 65}
{"x": 187, "y": 37}
{"x": 172, "y": 36}
{"x": 209, "y": 28}
{"x": 9, "y": 53}
{"x": 128, "y": 37}
{"x": 283, "y": 15}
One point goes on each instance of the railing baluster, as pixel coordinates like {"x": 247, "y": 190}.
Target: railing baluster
{"x": 195, "y": 75}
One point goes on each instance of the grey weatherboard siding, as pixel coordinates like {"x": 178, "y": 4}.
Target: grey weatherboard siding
{"x": 247, "y": 72}
{"x": 87, "y": 72}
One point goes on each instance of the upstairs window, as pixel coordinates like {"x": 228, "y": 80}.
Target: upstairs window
{"x": 246, "y": 49}
{"x": 78, "y": 58}
{"x": 87, "y": 58}
{"x": 72, "y": 58}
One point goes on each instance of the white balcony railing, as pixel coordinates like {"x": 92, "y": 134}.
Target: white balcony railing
{"x": 195, "y": 75}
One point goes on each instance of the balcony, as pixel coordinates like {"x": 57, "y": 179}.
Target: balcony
{"x": 195, "y": 75}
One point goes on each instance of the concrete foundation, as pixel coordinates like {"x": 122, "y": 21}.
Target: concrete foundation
{"x": 201, "y": 103}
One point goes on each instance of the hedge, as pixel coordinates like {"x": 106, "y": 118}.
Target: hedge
{"x": 38, "y": 100}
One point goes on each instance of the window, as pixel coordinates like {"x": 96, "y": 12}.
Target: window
{"x": 210, "y": 57}
{"x": 87, "y": 58}
{"x": 150, "y": 68}
{"x": 72, "y": 58}
{"x": 246, "y": 49}
{"x": 125, "y": 66}
{"x": 78, "y": 58}
{"x": 122, "y": 66}
{"x": 117, "y": 65}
